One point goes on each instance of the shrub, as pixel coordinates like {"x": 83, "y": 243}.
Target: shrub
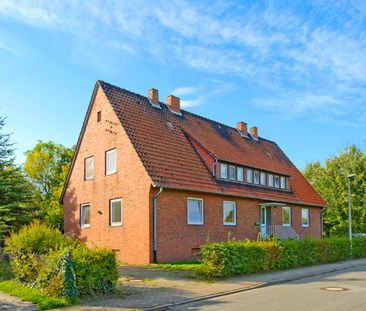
{"x": 60, "y": 266}
{"x": 243, "y": 257}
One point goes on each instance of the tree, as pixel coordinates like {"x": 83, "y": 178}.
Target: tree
{"x": 47, "y": 165}
{"x": 15, "y": 190}
{"x": 330, "y": 180}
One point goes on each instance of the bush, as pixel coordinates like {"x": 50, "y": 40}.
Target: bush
{"x": 60, "y": 266}
{"x": 242, "y": 257}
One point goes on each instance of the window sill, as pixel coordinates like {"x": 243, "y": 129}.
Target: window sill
{"x": 85, "y": 227}
{"x": 195, "y": 224}
{"x": 229, "y": 224}
{"x": 116, "y": 225}
{"x": 109, "y": 174}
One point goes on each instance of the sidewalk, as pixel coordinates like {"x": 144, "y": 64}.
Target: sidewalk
{"x": 8, "y": 302}
{"x": 154, "y": 289}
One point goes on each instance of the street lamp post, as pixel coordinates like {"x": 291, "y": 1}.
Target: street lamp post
{"x": 349, "y": 211}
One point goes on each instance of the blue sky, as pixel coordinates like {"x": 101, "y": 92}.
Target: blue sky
{"x": 295, "y": 69}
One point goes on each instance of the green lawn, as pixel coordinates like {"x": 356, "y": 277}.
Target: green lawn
{"x": 178, "y": 266}
{"x": 32, "y": 295}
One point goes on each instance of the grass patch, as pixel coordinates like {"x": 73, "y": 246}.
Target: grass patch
{"x": 177, "y": 266}
{"x": 5, "y": 270}
{"x": 32, "y": 295}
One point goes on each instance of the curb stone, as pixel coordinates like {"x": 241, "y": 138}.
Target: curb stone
{"x": 244, "y": 289}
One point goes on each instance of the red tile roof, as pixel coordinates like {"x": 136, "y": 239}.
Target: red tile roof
{"x": 165, "y": 142}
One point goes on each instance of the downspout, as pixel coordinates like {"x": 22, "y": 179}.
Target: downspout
{"x": 154, "y": 221}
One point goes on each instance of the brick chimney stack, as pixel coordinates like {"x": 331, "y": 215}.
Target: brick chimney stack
{"x": 254, "y": 132}
{"x": 154, "y": 96}
{"x": 242, "y": 128}
{"x": 174, "y": 103}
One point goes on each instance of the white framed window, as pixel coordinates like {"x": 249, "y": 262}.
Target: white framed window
{"x": 111, "y": 162}
{"x": 239, "y": 174}
{"x": 270, "y": 180}
{"x": 223, "y": 170}
{"x": 232, "y": 172}
{"x": 256, "y": 177}
{"x": 286, "y": 216}
{"x": 85, "y": 215}
{"x": 89, "y": 168}
{"x": 249, "y": 176}
{"x": 305, "y": 217}
{"x": 195, "y": 211}
{"x": 229, "y": 213}
{"x": 277, "y": 181}
{"x": 283, "y": 182}
{"x": 115, "y": 212}
{"x": 263, "y": 178}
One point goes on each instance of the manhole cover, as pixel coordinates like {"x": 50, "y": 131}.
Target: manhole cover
{"x": 335, "y": 289}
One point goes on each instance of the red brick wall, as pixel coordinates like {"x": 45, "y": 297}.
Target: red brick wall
{"x": 131, "y": 183}
{"x": 175, "y": 238}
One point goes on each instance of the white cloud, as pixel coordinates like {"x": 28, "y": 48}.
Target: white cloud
{"x": 183, "y": 90}
{"x": 307, "y": 58}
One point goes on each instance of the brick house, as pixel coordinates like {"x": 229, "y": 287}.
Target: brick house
{"x": 155, "y": 182}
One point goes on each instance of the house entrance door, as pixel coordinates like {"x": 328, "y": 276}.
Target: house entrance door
{"x": 263, "y": 222}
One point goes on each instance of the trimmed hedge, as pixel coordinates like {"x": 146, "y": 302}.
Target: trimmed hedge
{"x": 42, "y": 258}
{"x": 223, "y": 259}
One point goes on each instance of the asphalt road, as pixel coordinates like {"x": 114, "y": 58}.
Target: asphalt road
{"x": 305, "y": 294}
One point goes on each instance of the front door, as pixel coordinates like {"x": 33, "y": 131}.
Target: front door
{"x": 263, "y": 222}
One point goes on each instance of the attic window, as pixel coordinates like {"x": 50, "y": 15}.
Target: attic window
{"x": 99, "y": 116}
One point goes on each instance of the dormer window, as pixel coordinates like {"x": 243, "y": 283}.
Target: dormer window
{"x": 277, "y": 181}
{"x": 232, "y": 172}
{"x": 239, "y": 174}
{"x": 249, "y": 176}
{"x": 283, "y": 182}
{"x": 256, "y": 177}
{"x": 223, "y": 170}
{"x": 270, "y": 180}
{"x": 263, "y": 178}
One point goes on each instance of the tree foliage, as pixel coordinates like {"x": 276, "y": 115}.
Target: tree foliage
{"x": 15, "y": 190}
{"x": 330, "y": 180}
{"x": 46, "y": 166}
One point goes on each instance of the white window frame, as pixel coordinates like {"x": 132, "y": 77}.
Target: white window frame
{"x": 307, "y": 217}
{"x": 222, "y": 165}
{"x": 203, "y": 213}
{"x": 262, "y": 179}
{"x": 115, "y": 223}
{"x": 289, "y": 218}
{"x": 274, "y": 181}
{"x": 254, "y": 174}
{"x": 240, "y": 169}
{"x": 282, "y": 182}
{"x": 233, "y": 168}
{"x": 85, "y": 168}
{"x": 270, "y": 180}
{"x": 83, "y": 226}
{"x": 223, "y": 213}
{"x": 250, "y": 175}
{"x": 107, "y": 172}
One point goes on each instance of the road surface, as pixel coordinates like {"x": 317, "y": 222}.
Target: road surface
{"x": 343, "y": 290}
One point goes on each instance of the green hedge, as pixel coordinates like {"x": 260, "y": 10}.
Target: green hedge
{"x": 242, "y": 257}
{"x": 41, "y": 257}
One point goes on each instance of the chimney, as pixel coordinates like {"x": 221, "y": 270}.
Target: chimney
{"x": 254, "y": 132}
{"x": 242, "y": 128}
{"x": 154, "y": 96}
{"x": 173, "y": 103}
